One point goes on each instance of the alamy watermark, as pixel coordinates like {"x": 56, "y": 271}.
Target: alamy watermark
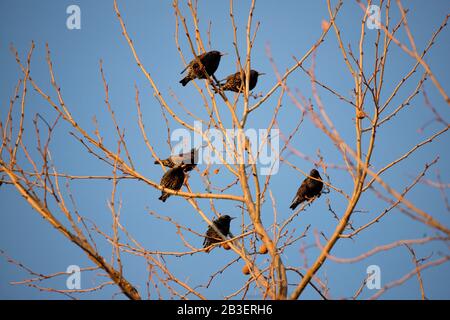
{"x": 373, "y": 277}
{"x": 73, "y": 21}
{"x": 215, "y": 146}
{"x": 73, "y": 281}
{"x": 373, "y": 17}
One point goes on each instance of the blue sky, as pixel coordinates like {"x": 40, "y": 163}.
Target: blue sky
{"x": 289, "y": 28}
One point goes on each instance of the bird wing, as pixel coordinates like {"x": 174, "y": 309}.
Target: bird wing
{"x": 165, "y": 179}
{"x": 314, "y": 188}
{"x": 299, "y": 196}
{"x": 178, "y": 183}
{"x": 209, "y": 237}
{"x": 193, "y": 61}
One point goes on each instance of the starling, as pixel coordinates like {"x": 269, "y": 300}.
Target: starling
{"x": 172, "y": 179}
{"x": 189, "y": 160}
{"x": 210, "y": 61}
{"x": 223, "y": 225}
{"x": 235, "y": 83}
{"x": 309, "y": 189}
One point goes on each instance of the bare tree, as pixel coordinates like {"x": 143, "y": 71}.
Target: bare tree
{"x": 258, "y": 246}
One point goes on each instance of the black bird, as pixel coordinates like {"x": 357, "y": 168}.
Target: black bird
{"x": 309, "y": 189}
{"x": 210, "y": 61}
{"x": 172, "y": 179}
{"x": 223, "y": 225}
{"x": 188, "y": 159}
{"x": 236, "y": 83}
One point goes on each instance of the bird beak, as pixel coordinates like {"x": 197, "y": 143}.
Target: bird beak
{"x": 232, "y": 218}
{"x": 261, "y": 73}
{"x": 223, "y": 54}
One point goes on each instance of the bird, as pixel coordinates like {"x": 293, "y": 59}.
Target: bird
{"x": 188, "y": 159}
{"x": 309, "y": 189}
{"x": 235, "y": 83}
{"x": 210, "y": 61}
{"x": 172, "y": 179}
{"x": 223, "y": 225}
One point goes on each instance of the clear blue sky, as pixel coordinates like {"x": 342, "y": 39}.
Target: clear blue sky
{"x": 290, "y": 28}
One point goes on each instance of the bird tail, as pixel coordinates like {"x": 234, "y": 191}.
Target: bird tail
{"x": 185, "y": 81}
{"x": 295, "y": 202}
{"x": 164, "y": 197}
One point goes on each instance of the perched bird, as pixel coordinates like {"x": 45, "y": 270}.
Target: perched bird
{"x": 210, "y": 61}
{"x": 236, "y": 83}
{"x": 172, "y": 179}
{"x": 308, "y": 190}
{"x": 223, "y": 225}
{"x": 188, "y": 159}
